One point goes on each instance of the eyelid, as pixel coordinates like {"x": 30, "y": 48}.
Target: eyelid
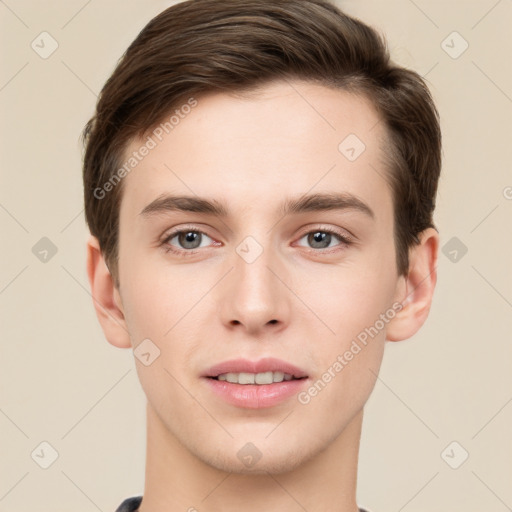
{"x": 345, "y": 237}
{"x": 168, "y": 235}
{"x": 172, "y": 232}
{"x": 344, "y": 234}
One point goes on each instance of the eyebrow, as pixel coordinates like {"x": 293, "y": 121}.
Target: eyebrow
{"x": 307, "y": 203}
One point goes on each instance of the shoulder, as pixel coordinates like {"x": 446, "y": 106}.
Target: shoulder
{"x": 133, "y": 503}
{"x": 130, "y": 504}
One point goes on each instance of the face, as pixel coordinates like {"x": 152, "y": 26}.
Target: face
{"x": 268, "y": 273}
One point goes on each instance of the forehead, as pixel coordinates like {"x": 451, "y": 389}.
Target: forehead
{"x": 251, "y": 150}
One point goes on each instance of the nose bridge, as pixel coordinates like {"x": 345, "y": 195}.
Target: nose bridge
{"x": 255, "y": 297}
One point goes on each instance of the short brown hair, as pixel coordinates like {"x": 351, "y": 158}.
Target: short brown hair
{"x": 202, "y": 46}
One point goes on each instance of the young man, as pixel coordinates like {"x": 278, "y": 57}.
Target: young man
{"x": 260, "y": 182}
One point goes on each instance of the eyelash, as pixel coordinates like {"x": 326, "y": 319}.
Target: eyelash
{"x": 343, "y": 238}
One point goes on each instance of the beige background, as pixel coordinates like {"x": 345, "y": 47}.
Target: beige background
{"x": 62, "y": 383}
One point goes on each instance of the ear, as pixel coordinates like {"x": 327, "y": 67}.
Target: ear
{"x": 416, "y": 295}
{"x": 106, "y": 298}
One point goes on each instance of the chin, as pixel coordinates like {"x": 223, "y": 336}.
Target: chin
{"x": 273, "y": 465}
{"x": 260, "y": 457}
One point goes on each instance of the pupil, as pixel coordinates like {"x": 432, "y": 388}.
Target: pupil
{"x": 320, "y": 239}
{"x": 190, "y": 238}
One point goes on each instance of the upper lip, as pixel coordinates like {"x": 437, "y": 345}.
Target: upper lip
{"x": 267, "y": 364}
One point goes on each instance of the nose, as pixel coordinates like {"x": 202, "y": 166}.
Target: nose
{"x": 254, "y": 299}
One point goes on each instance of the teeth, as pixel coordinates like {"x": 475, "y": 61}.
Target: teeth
{"x": 255, "y": 378}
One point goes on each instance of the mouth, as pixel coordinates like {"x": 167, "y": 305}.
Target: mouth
{"x": 261, "y": 378}
{"x": 255, "y": 384}
{"x": 263, "y": 371}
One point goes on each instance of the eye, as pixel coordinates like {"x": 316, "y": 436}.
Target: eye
{"x": 187, "y": 239}
{"x": 322, "y": 238}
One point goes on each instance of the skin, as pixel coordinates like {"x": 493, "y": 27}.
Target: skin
{"x": 296, "y": 301}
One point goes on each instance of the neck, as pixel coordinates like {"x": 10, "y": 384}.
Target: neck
{"x": 178, "y": 480}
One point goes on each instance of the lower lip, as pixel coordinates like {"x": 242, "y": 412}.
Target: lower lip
{"x": 255, "y": 396}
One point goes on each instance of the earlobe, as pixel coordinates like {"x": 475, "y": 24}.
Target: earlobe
{"x": 106, "y": 298}
{"x": 419, "y": 288}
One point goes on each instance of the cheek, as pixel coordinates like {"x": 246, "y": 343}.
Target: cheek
{"x": 348, "y": 298}
{"x": 355, "y": 301}
{"x": 163, "y": 304}
{"x": 154, "y": 297}
{"x": 160, "y": 310}
{"x": 348, "y": 360}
